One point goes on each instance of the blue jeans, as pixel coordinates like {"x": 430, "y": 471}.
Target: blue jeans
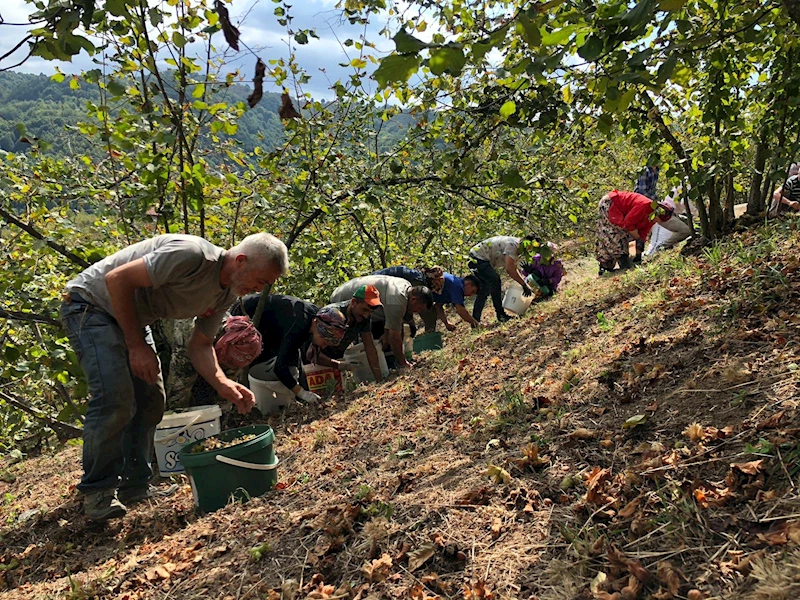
{"x": 490, "y": 286}
{"x": 123, "y": 409}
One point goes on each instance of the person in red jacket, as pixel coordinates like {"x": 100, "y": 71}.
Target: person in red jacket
{"x": 624, "y": 216}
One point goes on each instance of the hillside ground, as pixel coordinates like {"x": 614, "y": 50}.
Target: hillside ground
{"x": 634, "y": 437}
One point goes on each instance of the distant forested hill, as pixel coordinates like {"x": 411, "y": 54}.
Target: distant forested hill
{"x": 48, "y": 109}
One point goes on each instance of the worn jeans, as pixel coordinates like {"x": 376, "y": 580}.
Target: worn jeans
{"x": 490, "y": 284}
{"x": 123, "y": 409}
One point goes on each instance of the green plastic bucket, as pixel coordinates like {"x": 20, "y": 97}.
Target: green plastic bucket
{"x": 240, "y": 472}
{"x": 428, "y": 341}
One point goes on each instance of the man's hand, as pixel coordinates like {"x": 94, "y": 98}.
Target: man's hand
{"x": 241, "y": 397}
{"x": 795, "y": 204}
{"x": 308, "y": 397}
{"x": 144, "y": 363}
{"x": 450, "y": 326}
{"x": 526, "y": 290}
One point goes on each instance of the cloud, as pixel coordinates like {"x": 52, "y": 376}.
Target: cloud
{"x": 261, "y": 33}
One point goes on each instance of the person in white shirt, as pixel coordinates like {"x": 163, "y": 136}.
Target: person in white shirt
{"x": 672, "y": 232}
{"x": 486, "y": 259}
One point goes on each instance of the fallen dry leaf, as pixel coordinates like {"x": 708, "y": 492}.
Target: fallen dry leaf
{"x": 694, "y": 432}
{"x": 477, "y": 590}
{"x": 418, "y": 557}
{"x": 749, "y": 468}
{"x": 630, "y": 508}
{"x": 497, "y": 527}
{"x": 772, "y": 422}
{"x": 669, "y": 576}
{"x": 378, "y": 569}
{"x": 582, "y": 434}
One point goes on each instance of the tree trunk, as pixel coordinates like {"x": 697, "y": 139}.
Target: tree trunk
{"x": 755, "y": 199}
{"x": 730, "y": 199}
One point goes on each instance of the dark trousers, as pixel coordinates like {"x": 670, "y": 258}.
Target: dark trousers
{"x": 490, "y": 285}
{"x": 123, "y": 410}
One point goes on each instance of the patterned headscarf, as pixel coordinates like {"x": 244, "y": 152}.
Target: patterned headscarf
{"x": 331, "y": 325}
{"x": 434, "y": 278}
{"x": 240, "y": 343}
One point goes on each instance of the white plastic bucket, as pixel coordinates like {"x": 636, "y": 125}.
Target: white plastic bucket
{"x": 357, "y": 354}
{"x": 322, "y": 380}
{"x": 271, "y": 395}
{"x": 180, "y": 428}
{"x": 515, "y": 301}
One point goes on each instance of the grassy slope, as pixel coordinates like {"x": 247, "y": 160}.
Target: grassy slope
{"x": 704, "y": 347}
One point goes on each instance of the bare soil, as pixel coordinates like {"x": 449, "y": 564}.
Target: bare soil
{"x": 633, "y": 437}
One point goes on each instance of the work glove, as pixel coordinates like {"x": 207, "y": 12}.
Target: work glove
{"x": 308, "y": 397}
{"x": 526, "y": 290}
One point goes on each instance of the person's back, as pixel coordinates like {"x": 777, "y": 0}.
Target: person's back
{"x": 285, "y": 323}
{"x": 413, "y": 276}
{"x": 184, "y": 270}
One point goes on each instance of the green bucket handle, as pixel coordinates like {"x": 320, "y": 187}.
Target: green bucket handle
{"x": 247, "y": 465}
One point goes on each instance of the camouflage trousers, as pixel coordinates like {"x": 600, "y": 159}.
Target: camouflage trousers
{"x": 183, "y": 386}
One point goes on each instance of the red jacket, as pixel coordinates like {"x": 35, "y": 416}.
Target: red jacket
{"x": 630, "y": 211}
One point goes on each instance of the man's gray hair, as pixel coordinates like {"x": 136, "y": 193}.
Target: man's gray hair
{"x": 262, "y": 249}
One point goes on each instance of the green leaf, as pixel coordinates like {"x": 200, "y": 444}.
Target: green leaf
{"x": 591, "y": 49}
{"x": 512, "y": 178}
{"x": 396, "y": 68}
{"x": 199, "y": 90}
{"x": 115, "y": 88}
{"x": 74, "y": 84}
{"x": 639, "y": 14}
{"x": 573, "y": 218}
{"x": 604, "y": 124}
{"x": 301, "y": 37}
{"x": 447, "y": 60}
{"x": 530, "y": 31}
{"x": 118, "y": 8}
{"x": 156, "y": 16}
{"x": 479, "y": 50}
{"x": 57, "y": 77}
{"x": 666, "y": 69}
{"x": 558, "y": 36}
{"x": 626, "y": 100}
{"x": 671, "y": 5}
{"x": 566, "y": 93}
{"x": 178, "y": 39}
{"x": 12, "y": 353}
{"x": 509, "y": 108}
{"x": 635, "y": 421}
{"x": 406, "y": 43}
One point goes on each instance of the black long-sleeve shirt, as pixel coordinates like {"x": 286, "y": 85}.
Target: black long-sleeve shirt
{"x": 285, "y": 327}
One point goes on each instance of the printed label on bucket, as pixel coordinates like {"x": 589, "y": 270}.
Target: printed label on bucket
{"x": 168, "y": 454}
{"x": 324, "y": 381}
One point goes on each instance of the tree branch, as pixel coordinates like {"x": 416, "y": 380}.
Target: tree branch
{"x": 64, "y": 431}
{"x": 29, "y": 317}
{"x": 54, "y": 245}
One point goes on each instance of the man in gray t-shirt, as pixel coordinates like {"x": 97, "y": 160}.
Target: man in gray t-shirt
{"x": 398, "y": 297}
{"x": 107, "y": 311}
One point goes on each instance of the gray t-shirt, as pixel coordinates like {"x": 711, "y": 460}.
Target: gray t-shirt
{"x": 185, "y": 272}
{"x": 495, "y": 249}
{"x": 394, "y": 297}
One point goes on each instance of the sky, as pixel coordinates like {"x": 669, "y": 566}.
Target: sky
{"x": 259, "y": 29}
